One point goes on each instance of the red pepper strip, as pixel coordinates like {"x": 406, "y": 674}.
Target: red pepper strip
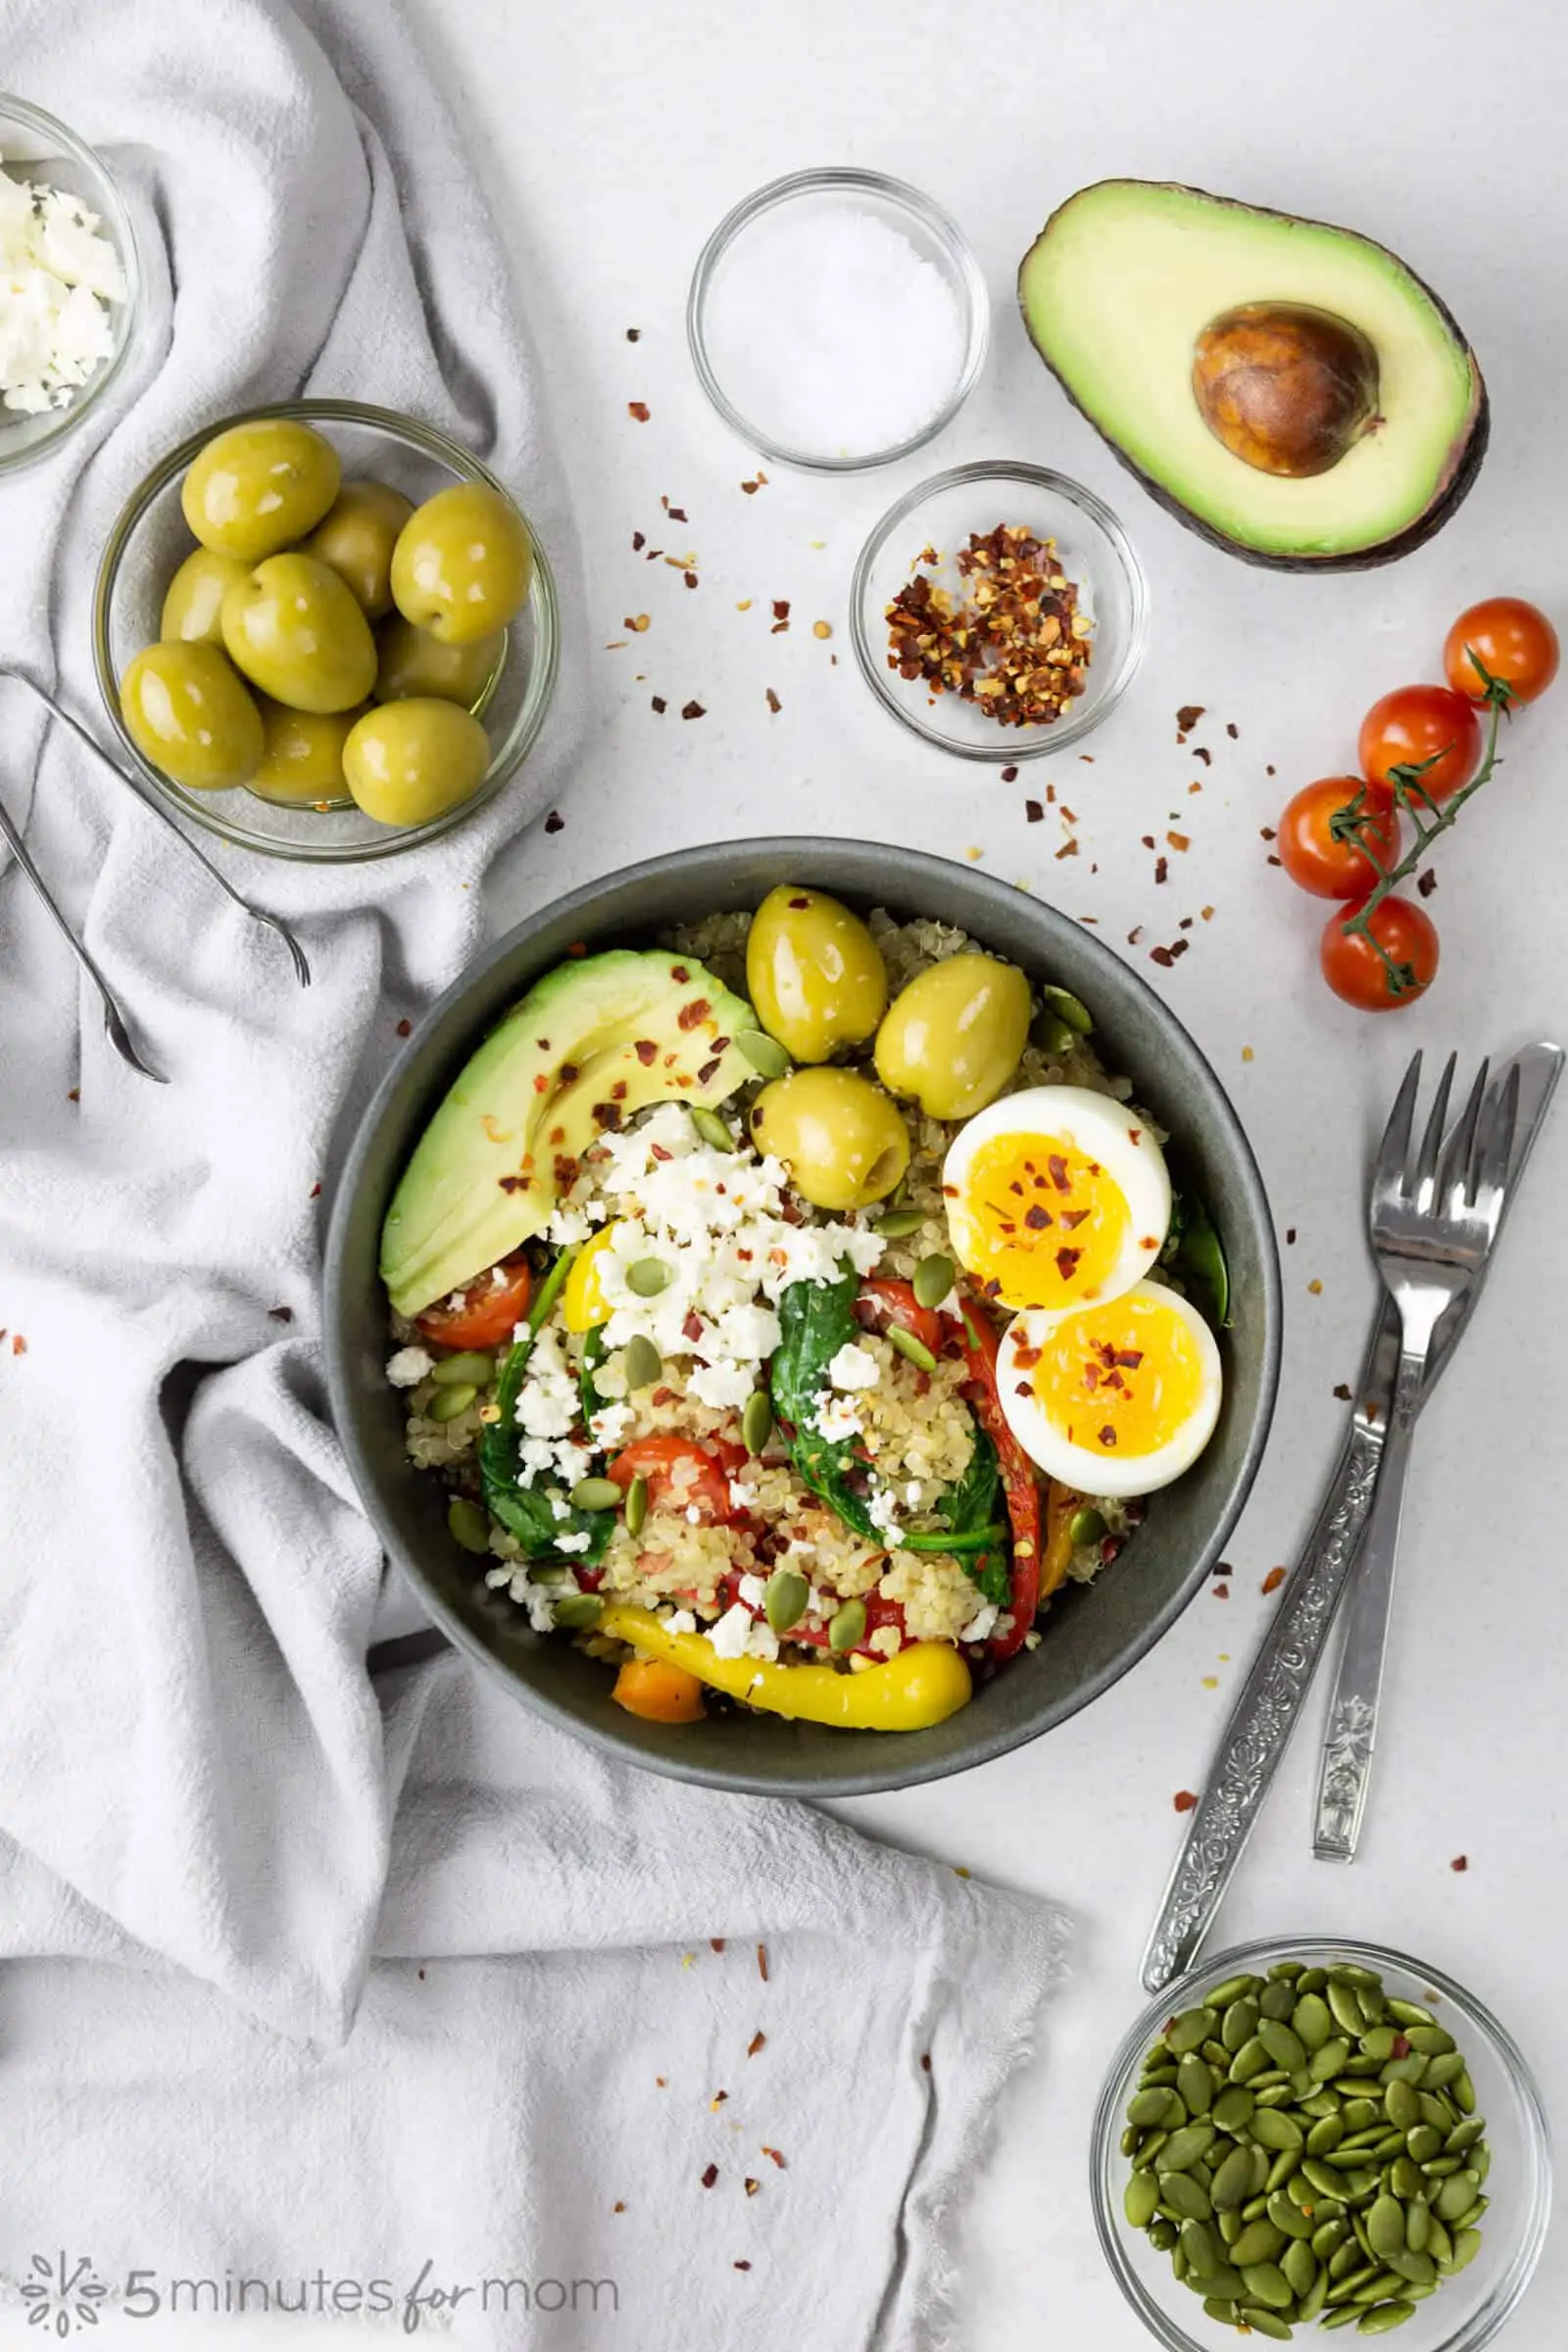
{"x": 981, "y": 1348}
{"x": 882, "y": 1300}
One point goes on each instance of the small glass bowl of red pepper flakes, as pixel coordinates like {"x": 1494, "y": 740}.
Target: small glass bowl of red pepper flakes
{"x": 999, "y": 611}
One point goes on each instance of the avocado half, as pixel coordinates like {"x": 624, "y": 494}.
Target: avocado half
{"x": 1123, "y": 279}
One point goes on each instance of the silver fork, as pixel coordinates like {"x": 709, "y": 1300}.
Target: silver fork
{"x": 1434, "y": 1219}
{"x": 114, "y": 1019}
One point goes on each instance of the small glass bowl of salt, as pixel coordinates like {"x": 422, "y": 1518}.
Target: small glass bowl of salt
{"x": 837, "y": 320}
{"x": 70, "y": 290}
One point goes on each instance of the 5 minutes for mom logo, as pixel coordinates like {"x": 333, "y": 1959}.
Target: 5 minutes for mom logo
{"x": 62, "y": 2293}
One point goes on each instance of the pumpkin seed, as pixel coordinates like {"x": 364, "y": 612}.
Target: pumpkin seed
{"x": 467, "y": 1524}
{"x": 1410, "y": 2013}
{"x": 1149, "y": 2149}
{"x": 1161, "y": 2233}
{"x": 757, "y": 1420}
{"x": 1140, "y": 2198}
{"x": 1232, "y": 2109}
{"x": 1401, "y": 2105}
{"x": 1326, "y": 2134}
{"x": 576, "y": 1611}
{"x": 1262, "y": 2322}
{"x": 1328, "y": 2238}
{"x": 1312, "y": 2021}
{"x": 471, "y": 1367}
{"x": 1433, "y": 2041}
{"x": 1232, "y": 2180}
{"x": 764, "y": 1053}
{"x": 642, "y": 1362}
{"x": 1195, "y": 2084}
{"x": 1273, "y": 2129}
{"x": 1216, "y": 2310}
{"x": 1322, "y": 2177}
{"x": 712, "y": 1128}
{"x": 1385, "y": 2226}
{"x": 1455, "y": 2197}
{"x": 1221, "y": 2284}
{"x": 932, "y": 1279}
{"x": 1239, "y": 2022}
{"x": 1464, "y": 2135}
{"x": 647, "y": 1277}
{"x": 1347, "y": 2008}
{"x": 1181, "y": 2197}
{"x": 596, "y": 1495}
{"x": 1277, "y": 2001}
{"x": 1328, "y": 2058}
{"x": 1185, "y": 2147}
{"x": 1445, "y": 2068}
{"x": 1231, "y": 1991}
{"x": 1344, "y": 2317}
{"x": 1463, "y": 2092}
{"x": 1201, "y": 2247}
{"x": 897, "y": 1222}
{"x": 908, "y": 1344}
{"x": 784, "y": 1599}
{"x": 1086, "y": 1526}
{"x": 636, "y": 1505}
{"x": 1260, "y": 2241}
{"x": 1385, "y": 2316}
{"x": 447, "y": 1404}
{"x": 847, "y": 1629}
{"x": 1249, "y": 2060}
{"x": 1466, "y": 2246}
{"x": 1266, "y": 2283}
{"x": 1282, "y": 2043}
{"x": 1300, "y": 2266}
{"x": 1069, "y": 1009}
{"x": 1289, "y": 2216}
{"x": 1229, "y": 2224}
{"x": 1313, "y": 2300}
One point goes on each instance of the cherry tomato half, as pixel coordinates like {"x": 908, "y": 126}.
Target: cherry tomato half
{"x": 681, "y": 1473}
{"x": 1416, "y": 723}
{"x": 1513, "y": 641}
{"x": 490, "y": 1308}
{"x": 882, "y": 1299}
{"x": 1355, "y": 971}
{"x": 1318, "y": 862}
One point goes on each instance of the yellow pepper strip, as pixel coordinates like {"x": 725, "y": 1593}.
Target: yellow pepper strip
{"x": 583, "y": 1304}
{"x": 1063, "y": 1505}
{"x": 921, "y": 1685}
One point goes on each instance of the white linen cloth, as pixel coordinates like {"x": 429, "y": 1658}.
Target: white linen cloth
{"x": 306, "y": 1974}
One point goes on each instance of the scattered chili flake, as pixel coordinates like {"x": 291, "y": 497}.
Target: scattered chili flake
{"x": 1032, "y": 809}
{"x": 1188, "y": 716}
{"x": 690, "y": 578}
{"x": 1427, "y": 882}
{"x": 822, "y": 628}
{"x": 750, "y": 488}
{"x": 710, "y": 2175}
{"x": 73, "y": 1094}
{"x": 1184, "y": 1800}
{"x": 693, "y": 711}
{"x": 578, "y": 947}
{"x": 1233, "y": 730}
{"x": 280, "y": 1315}
{"x": 1148, "y": 840}
{"x": 751, "y": 2186}
{"x": 742, "y": 2265}
{"x": 638, "y": 408}
{"x": 1017, "y": 645}
{"x": 1268, "y": 771}
{"x": 555, "y": 822}
{"x": 618, "y": 2206}
{"x": 1316, "y": 1289}
{"x": 1276, "y": 862}
{"x": 405, "y": 1027}
{"x": 1186, "y": 923}
{"x": 717, "y": 2101}
{"x": 761, "y": 1962}
{"x": 1162, "y": 869}
{"x": 1273, "y": 1581}
{"x": 1198, "y": 753}
{"x": 1460, "y": 1862}
{"x": 1289, "y": 1237}
{"x": 773, "y": 703}
{"x": 1247, "y": 1052}
{"x": 1161, "y": 956}
{"x": 1222, "y": 1591}
{"x": 675, "y": 513}
{"x": 638, "y": 543}
{"x": 1135, "y": 935}
{"x": 661, "y": 2081}
{"x": 925, "y": 2062}
{"x": 634, "y": 335}
{"x": 757, "y": 2041}
{"x": 1180, "y": 841}
{"x": 1207, "y": 913}
{"x": 1068, "y": 849}
{"x": 659, "y": 704}
{"x": 781, "y": 608}
{"x": 316, "y": 1192}
{"x": 1341, "y": 1390}
{"x": 775, "y": 2156}
{"x": 1267, "y": 832}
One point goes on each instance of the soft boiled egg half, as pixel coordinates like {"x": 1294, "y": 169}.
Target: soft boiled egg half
{"x": 1056, "y": 1198}
{"x": 1115, "y": 1398}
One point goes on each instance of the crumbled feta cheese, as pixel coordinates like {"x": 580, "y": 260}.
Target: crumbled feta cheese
{"x": 761, "y": 1641}
{"x": 575, "y": 1542}
{"x": 498, "y": 1278}
{"x": 882, "y": 1510}
{"x": 58, "y": 275}
{"x": 610, "y": 1424}
{"x": 560, "y": 1507}
{"x": 569, "y": 1226}
{"x": 457, "y": 1302}
{"x": 495, "y": 1578}
{"x": 408, "y": 1367}
{"x": 722, "y": 1386}
{"x": 854, "y": 1367}
{"x": 549, "y": 1404}
{"x": 753, "y": 1590}
{"x": 536, "y": 1456}
{"x": 731, "y": 1634}
{"x": 740, "y": 1495}
{"x": 681, "y": 1621}
{"x": 982, "y": 1625}
{"x": 836, "y": 1417}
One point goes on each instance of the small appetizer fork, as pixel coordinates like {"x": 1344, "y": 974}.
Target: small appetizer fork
{"x": 114, "y": 1019}
{"x": 1434, "y": 1219}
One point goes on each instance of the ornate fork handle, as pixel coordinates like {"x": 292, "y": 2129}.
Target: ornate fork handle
{"x": 1264, "y": 1716}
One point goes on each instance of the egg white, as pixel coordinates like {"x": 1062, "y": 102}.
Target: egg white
{"x": 1102, "y": 1130}
{"x": 1095, "y": 1472}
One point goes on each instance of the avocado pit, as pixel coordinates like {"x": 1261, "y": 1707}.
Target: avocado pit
{"x": 1286, "y": 387}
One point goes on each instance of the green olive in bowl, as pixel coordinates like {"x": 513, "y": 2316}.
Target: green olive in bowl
{"x": 259, "y": 487}
{"x": 410, "y": 661}
{"x": 295, "y": 631}
{"x": 813, "y": 972}
{"x": 955, "y": 1035}
{"x": 193, "y": 609}
{"x": 302, "y": 755}
{"x": 462, "y": 563}
{"x": 188, "y": 712}
{"x": 407, "y": 762}
{"x": 357, "y": 539}
{"x": 844, "y": 1143}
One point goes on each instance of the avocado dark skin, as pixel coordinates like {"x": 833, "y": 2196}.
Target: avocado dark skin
{"x": 1370, "y": 559}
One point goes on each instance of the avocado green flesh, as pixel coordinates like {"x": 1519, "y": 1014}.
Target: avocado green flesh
{"x": 1123, "y": 279}
{"x": 559, "y": 1070}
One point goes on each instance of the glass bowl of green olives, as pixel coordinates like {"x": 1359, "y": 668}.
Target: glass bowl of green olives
{"x": 324, "y": 631}
{"x": 1400, "y": 2149}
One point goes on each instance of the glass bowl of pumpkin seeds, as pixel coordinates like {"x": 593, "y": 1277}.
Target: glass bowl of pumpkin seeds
{"x": 1306, "y": 2135}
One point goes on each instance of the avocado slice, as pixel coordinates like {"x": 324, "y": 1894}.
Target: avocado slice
{"x": 592, "y": 1042}
{"x": 1125, "y": 279}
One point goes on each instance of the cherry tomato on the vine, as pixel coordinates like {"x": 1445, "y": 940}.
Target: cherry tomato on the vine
{"x": 1333, "y": 866}
{"x": 1513, "y": 641}
{"x": 1416, "y": 723}
{"x": 1355, "y": 971}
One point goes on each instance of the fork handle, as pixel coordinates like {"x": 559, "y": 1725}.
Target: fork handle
{"x": 1264, "y": 1716}
{"x": 1345, "y": 1768}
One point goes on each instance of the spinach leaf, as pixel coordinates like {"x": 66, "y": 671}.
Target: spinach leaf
{"x": 525, "y": 1512}
{"x": 816, "y": 1319}
{"x": 974, "y": 1502}
{"x": 1195, "y": 1252}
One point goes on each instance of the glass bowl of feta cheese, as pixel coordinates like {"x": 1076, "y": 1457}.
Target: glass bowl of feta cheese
{"x": 70, "y": 290}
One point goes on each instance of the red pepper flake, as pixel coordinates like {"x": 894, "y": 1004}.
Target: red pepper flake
{"x": 638, "y": 408}
{"x": 775, "y": 2157}
{"x": 1188, "y": 716}
{"x": 1198, "y": 753}
{"x": 693, "y": 711}
{"x": 717, "y": 2101}
{"x": 1135, "y": 935}
{"x": 1289, "y": 1237}
{"x": 710, "y": 2175}
{"x": 751, "y": 2186}
{"x": 1233, "y": 730}
{"x": 1341, "y": 1390}
{"x": 662, "y": 2082}
{"x": 742, "y": 2265}
{"x": 634, "y": 335}
{"x": 618, "y": 2206}
{"x": 404, "y": 1028}
{"x": 1162, "y": 869}
{"x": 761, "y": 1962}
{"x": 1179, "y": 946}
{"x": 316, "y": 1192}
{"x": 1108, "y": 1436}
{"x": 750, "y": 488}
{"x": 1184, "y": 1800}
{"x": 578, "y": 947}
{"x": 638, "y": 543}
{"x": 1068, "y": 849}
{"x": 1179, "y": 841}
{"x": 1033, "y": 812}
{"x": 1071, "y": 815}
{"x": 1068, "y": 1262}
{"x": 19, "y": 1345}
{"x": 1267, "y": 832}
{"x": 1398, "y": 2047}
{"x": 1275, "y": 861}
{"x": 555, "y": 822}
{"x": 1009, "y": 775}
{"x": 73, "y": 1094}
{"x": 1425, "y": 883}
{"x": 925, "y": 2062}
{"x": 660, "y": 704}
{"x": 1273, "y": 1581}
{"x": 1161, "y": 956}
{"x": 1460, "y": 1862}
{"x": 1222, "y": 1591}
{"x": 773, "y": 703}
{"x": 690, "y": 578}
{"x": 280, "y": 1315}
{"x": 757, "y": 2041}
{"x": 1268, "y": 771}
{"x": 1207, "y": 913}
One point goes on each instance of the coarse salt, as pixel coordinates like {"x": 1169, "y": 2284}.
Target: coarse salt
{"x": 830, "y": 332}
{"x": 58, "y": 276}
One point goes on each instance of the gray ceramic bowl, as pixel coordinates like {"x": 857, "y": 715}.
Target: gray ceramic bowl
{"x": 1092, "y": 1634}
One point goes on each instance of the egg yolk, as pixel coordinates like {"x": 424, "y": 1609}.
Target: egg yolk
{"x": 1122, "y": 1379}
{"x": 1044, "y": 1224}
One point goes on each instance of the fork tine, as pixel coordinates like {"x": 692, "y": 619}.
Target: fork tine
{"x": 1423, "y": 1176}
{"x": 1495, "y": 1147}
{"x": 1387, "y": 1175}
{"x": 1458, "y": 1152}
